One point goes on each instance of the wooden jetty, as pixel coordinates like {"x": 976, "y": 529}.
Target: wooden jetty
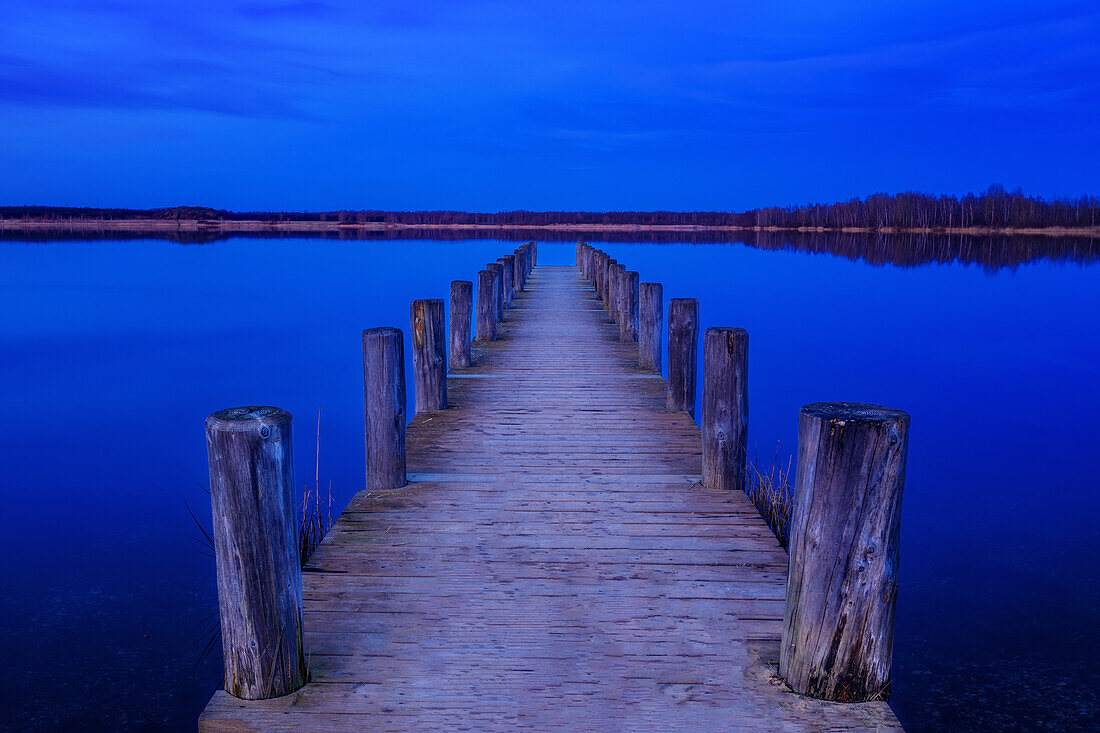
{"x": 554, "y": 562}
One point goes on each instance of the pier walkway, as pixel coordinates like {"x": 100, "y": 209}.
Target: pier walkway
{"x": 553, "y": 564}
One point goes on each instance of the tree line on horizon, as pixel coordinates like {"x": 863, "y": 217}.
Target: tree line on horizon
{"x": 994, "y": 208}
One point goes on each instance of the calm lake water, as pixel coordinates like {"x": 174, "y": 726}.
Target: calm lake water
{"x": 114, "y": 352}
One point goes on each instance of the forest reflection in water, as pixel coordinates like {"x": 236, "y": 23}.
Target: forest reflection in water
{"x": 900, "y": 249}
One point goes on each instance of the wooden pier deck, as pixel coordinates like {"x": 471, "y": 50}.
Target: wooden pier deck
{"x": 553, "y": 563}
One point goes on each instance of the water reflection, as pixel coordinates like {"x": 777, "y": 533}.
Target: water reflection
{"x": 113, "y": 352}
{"x": 990, "y": 251}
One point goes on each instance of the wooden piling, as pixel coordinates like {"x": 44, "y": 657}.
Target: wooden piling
{"x": 255, "y": 532}
{"x": 651, "y": 306}
{"x": 628, "y": 301}
{"x": 683, "y": 343}
{"x": 725, "y": 419}
{"x": 486, "y": 324}
{"x": 462, "y": 300}
{"x": 384, "y": 399}
{"x": 611, "y": 301}
{"x": 602, "y": 266}
{"x": 507, "y": 278}
{"x": 518, "y": 278}
{"x": 838, "y": 624}
{"x": 498, "y": 289}
{"x": 429, "y": 355}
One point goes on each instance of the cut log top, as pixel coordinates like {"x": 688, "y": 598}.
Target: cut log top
{"x": 844, "y": 411}
{"x": 248, "y": 419}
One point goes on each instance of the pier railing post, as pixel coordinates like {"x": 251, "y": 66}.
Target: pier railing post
{"x": 683, "y": 344}
{"x": 602, "y": 266}
{"x": 611, "y": 301}
{"x": 498, "y": 289}
{"x": 255, "y": 532}
{"x": 628, "y": 298}
{"x": 429, "y": 354}
{"x": 838, "y": 624}
{"x": 384, "y": 399}
{"x": 486, "y": 327}
{"x": 508, "y": 262}
{"x": 651, "y": 307}
{"x": 462, "y": 301}
{"x": 518, "y": 279}
{"x": 725, "y": 419}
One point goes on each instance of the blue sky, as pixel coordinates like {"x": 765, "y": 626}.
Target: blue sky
{"x": 486, "y": 105}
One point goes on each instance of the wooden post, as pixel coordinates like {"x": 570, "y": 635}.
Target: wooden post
{"x": 534, "y": 253}
{"x": 597, "y": 274}
{"x": 518, "y": 279}
{"x": 616, "y": 305}
{"x": 725, "y": 422}
{"x": 521, "y": 260}
{"x": 429, "y": 355}
{"x": 601, "y": 276}
{"x": 498, "y": 289}
{"x": 384, "y": 397}
{"x": 255, "y": 532}
{"x": 683, "y": 342}
{"x": 509, "y": 275}
{"x": 508, "y": 262}
{"x": 462, "y": 301}
{"x": 838, "y": 624}
{"x": 651, "y": 307}
{"x": 609, "y": 286}
{"x": 628, "y": 298}
{"x": 486, "y": 306}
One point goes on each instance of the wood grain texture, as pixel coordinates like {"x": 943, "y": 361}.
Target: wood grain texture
{"x": 486, "y": 306}
{"x": 462, "y": 298}
{"x": 608, "y": 290}
{"x": 603, "y": 261}
{"x": 628, "y": 307}
{"x": 651, "y": 311}
{"x": 838, "y": 629}
{"x": 384, "y": 407}
{"x": 683, "y": 345}
{"x": 614, "y": 281}
{"x": 518, "y": 274}
{"x": 508, "y": 263}
{"x": 255, "y": 534}
{"x": 553, "y": 564}
{"x": 725, "y": 419}
{"x": 498, "y": 289}
{"x": 429, "y": 354}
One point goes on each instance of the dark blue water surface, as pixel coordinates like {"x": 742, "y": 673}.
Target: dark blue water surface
{"x": 113, "y": 353}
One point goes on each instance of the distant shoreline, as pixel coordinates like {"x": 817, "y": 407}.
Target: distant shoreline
{"x": 251, "y": 226}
